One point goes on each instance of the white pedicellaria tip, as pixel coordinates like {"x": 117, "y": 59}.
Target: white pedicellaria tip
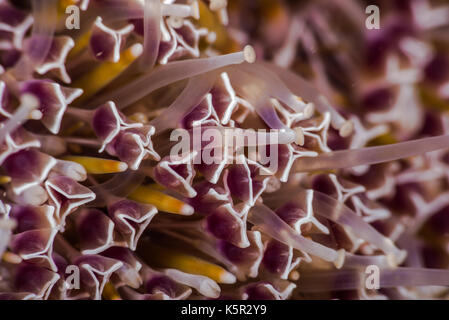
{"x": 210, "y": 289}
{"x": 35, "y": 114}
{"x": 340, "y": 259}
{"x": 299, "y": 136}
{"x": 211, "y": 37}
{"x": 122, "y": 167}
{"x": 195, "y": 10}
{"x": 346, "y": 129}
{"x": 309, "y": 110}
{"x": 249, "y": 54}
{"x": 29, "y": 100}
{"x": 294, "y": 275}
{"x": 187, "y": 210}
{"x": 396, "y": 259}
{"x": 136, "y": 49}
{"x": 391, "y": 259}
{"x": 216, "y": 5}
{"x": 227, "y": 278}
{"x": 176, "y": 22}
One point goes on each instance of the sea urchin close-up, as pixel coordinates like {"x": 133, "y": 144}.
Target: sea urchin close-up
{"x": 224, "y": 149}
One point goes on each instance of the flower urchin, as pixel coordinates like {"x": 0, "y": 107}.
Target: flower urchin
{"x": 325, "y": 157}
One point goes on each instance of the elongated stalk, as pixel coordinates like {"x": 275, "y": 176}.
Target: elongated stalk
{"x": 270, "y": 223}
{"x": 339, "y": 213}
{"x": 330, "y": 208}
{"x": 27, "y": 110}
{"x": 371, "y": 155}
{"x": 276, "y": 87}
{"x": 190, "y": 97}
{"x": 126, "y": 11}
{"x": 121, "y": 185}
{"x": 303, "y": 88}
{"x": 353, "y": 279}
{"x": 256, "y": 92}
{"x": 170, "y": 73}
{"x": 45, "y": 16}
{"x": 152, "y": 34}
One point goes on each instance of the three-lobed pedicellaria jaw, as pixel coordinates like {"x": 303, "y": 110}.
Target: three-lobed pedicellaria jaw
{"x": 324, "y": 156}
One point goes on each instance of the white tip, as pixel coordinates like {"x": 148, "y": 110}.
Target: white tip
{"x": 346, "y": 129}
{"x": 210, "y": 289}
{"x": 216, "y": 5}
{"x": 137, "y": 49}
{"x": 29, "y": 100}
{"x": 228, "y": 278}
{"x": 249, "y": 54}
{"x": 294, "y": 275}
{"x": 35, "y": 114}
{"x": 309, "y": 110}
{"x": 211, "y": 37}
{"x": 391, "y": 259}
{"x": 340, "y": 259}
{"x": 122, "y": 166}
{"x": 195, "y": 10}
{"x": 299, "y": 139}
{"x": 395, "y": 260}
{"x": 187, "y": 210}
{"x": 176, "y": 22}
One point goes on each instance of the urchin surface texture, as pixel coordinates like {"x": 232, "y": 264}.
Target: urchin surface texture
{"x": 240, "y": 149}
